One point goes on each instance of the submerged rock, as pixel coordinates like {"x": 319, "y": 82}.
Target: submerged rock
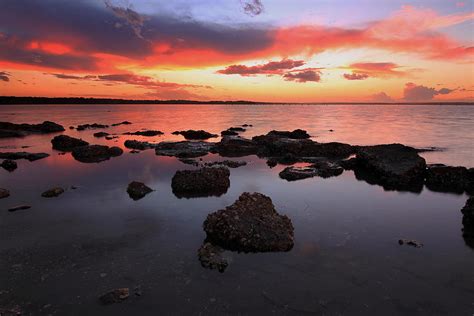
{"x": 189, "y": 161}
{"x": 101, "y": 134}
{"x": 200, "y": 183}
{"x": 19, "y": 208}
{"x": 54, "y": 192}
{"x": 327, "y": 169}
{"x": 122, "y": 123}
{"x": 91, "y": 126}
{"x": 115, "y": 296}
{"x": 227, "y": 163}
{"x": 184, "y": 149}
{"x": 236, "y": 146}
{"x": 444, "y": 178}
{"x": 210, "y": 257}
{"x": 137, "y": 190}
{"x": 410, "y": 242}
{"x": 195, "y": 135}
{"x": 8, "y": 129}
{"x": 23, "y": 155}
{"x": 135, "y": 144}
{"x": 9, "y": 165}
{"x": 95, "y": 153}
{"x": 148, "y": 133}
{"x": 468, "y": 221}
{"x": 4, "y": 193}
{"x": 67, "y": 143}
{"x": 251, "y": 224}
{"x": 323, "y": 169}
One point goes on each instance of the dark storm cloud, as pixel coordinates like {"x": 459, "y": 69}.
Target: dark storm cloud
{"x": 4, "y": 76}
{"x": 132, "y": 18}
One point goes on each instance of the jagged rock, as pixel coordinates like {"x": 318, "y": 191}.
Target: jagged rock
{"x": 91, "y": 126}
{"x": 210, "y": 257}
{"x": 410, "y": 242}
{"x": 23, "y": 155}
{"x": 236, "y": 146}
{"x": 227, "y": 163}
{"x": 448, "y": 179}
{"x": 67, "y": 143}
{"x": 115, "y": 296}
{"x": 323, "y": 169}
{"x": 148, "y": 133}
{"x": 122, "y": 123}
{"x": 296, "y": 134}
{"x": 468, "y": 221}
{"x": 95, "y": 153}
{"x": 184, "y": 149}
{"x": 251, "y": 224}
{"x": 8, "y": 129}
{"x": 135, "y": 144}
{"x": 54, "y": 192}
{"x": 4, "y": 193}
{"x": 101, "y": 134}
{"x": 9, "y": 165}
{"x": 137, "y": 190}
{"x": 200, "y": 183}
{"x": 19, "y": 208}
{"x": 195, "y": 135}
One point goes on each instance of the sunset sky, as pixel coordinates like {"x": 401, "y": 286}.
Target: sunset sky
{"x": 267, "y": 50}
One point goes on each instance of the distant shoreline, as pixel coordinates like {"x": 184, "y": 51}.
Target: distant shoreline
{"x": 12, "y": 100}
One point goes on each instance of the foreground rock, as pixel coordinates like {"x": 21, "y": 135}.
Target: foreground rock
{"x": 195, "y": 135}
{"x": 95, "y": 153}
{"x": 9, "y": 165}
{"x": 19, "y": 208}
{"x": 148, "y": 133}
{"x": 135, "y": 144}
{"x": 4, "y": 193}
{"x": 185, "y": 149}
{"x": 8, "y": 129}
{"x": 115, "y": 296}
{"x": 23, "y": 155}
{"x": 394, "y": 166}
{"x": 251, "y": 224}
{"x": 137, "y": 190}
{"x": 67, "y": 143}
{"x": 468, "y": 221}
{"x": 210, "y": 257}
{"x": 200, "y": 183}
{"x": 323, "y": 169}
{"x": 54, "y": 192}
{"x": 91, "y": 126}
{"x": 444, "y": 178}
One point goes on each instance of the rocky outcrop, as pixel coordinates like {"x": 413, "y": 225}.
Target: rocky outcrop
{"x": 208, "y": 181}
{"x": 468, "y": 221}
{"x": 251, "y": 224}
{"x": 227, "y": 163}
{"x": 211, "y": 257}
{"x": 323, "y": 169}
{"x": 135, "y": 144}
{"x": 195, "y": 135}
{"x": 444, "y": 178}
{"x": 23, "y": 155}
{"x": 184, "y": 149}
{"x": 91, "y": 126}
{"x": 101, "y": 134}
{"x": 148, "y": 133}
{"x": 95, "y": 153}
{"x": 8, "y": 129}
{"x": 137, "y": 190}
{"x": 54, "y": 192}
{"x": 236, "y": 146}
{"x": 9, "y": 165}
{"x": 296, "y": 134}
{"x": 67, "y": 143}
{"x": 4, "y": 193}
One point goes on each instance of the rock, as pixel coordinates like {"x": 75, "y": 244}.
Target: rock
{"x": 272, "y": 162}
{"x": 9, "y": 165}
{"x": 348, "y": 164}
{"x": 444, "y": 178}
{"x": 54, "y": 192}
{"x": 327, "y": 169}
{"x": 101, "y": 134}
{"x": 134, "y": 151}
{"x": 149, "y": 133}
{"x": 227, "y": 163}
{"x": 323, "y": 169}
{"x": 251, "y": 224}
{"x": 236, "y": 146}
{"x": 410, "y": 242}
{"x": 468, "y": 221}
{"x": 210, "y": 257}
{"x": 122, "y": 123}
{"x": 4, "y": 193}
{"x": 67, "y": 143}
{"x": 72, "y": 127}
{"x": 8, "y": 129}
{"x": 23, "y": 155}
{"x": 137, "y": 190}
{"x": 19, "y": 208}
{"x": 95, "y": 153}
{"x": 247, "y": 125}
{"x": 111, "y": 137}
{"x": 195, "y": 135}
{"x": 200, "y": 183}
{"x": 135, "y": 144}
{"x": 229, "y": 133}
{"x": 115, "y": 296}
{"x": 91, "y": 126}
{"x": 189, "y": 161}
{"x": 184, "y": 149}
{"x": 394, "y": 166}
{"x": 296, "y": 134}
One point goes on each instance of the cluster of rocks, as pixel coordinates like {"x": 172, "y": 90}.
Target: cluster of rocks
{"x": 82, "y": 151}
{"x": 8, "y": 129}
{"x": 207, "y": 181}
{"x": 184, "y": 149}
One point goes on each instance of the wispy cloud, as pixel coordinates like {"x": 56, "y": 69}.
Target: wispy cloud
{"x": 270, "y": 68}
{"x": 414, "y": 92}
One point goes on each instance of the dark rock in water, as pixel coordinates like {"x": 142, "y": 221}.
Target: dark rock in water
{"x": 135, "y": 144}
{"x": 101, "y": 134}
{"x": 23, "y": 155}
{"x": 137, "y": 190}
{"x": 227, "y": 163}
{"x": 327, "y": 169}
{"x": 348, "y": 164}
{"x": 72, "y": 127}
{"x": 236, "y": 129}
{"x": 115, "y": 296}
{"x": 296, "y": 134}
{"x": 189, "y": 161}
{"x": 19, "y": 208}
{"x": 122, "y": 123}
{"x": 247, "y": 125}
{"x": 95, "y": 153}
{"x": 91, "y": 126}
{"x": 410, "y": 242}
{"x": 200, "y": 183}
{"x": 9, "y": 165}
{"x": 54, "y": 192}
{"x": 4, "y": 193}
{"x": 148, "y": 133}
{"x": 468, "y": 221}
{"x": 184, "y": 149}
{"x": 272, "y": 162}
{"x": 235, "y": 146}
{"x": 67, "y": 143}
{"x": 394, "y": 166}
{"x": 229, "y": 133}
{"x": 134, "y": 151}
{"x": 195, "y": 135}
{"x": 8, "y": 129}
{"x": 444, "y": 178}
{"x": 297, "y": 173}
{"x": 210, "y": 257}
{"x": 111, "y": 137}
{"x": 251, "y": 224}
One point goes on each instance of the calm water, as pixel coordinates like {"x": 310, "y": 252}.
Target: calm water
{"x": 60, "y": 255}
